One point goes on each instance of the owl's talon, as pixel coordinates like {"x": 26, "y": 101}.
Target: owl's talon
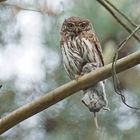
{"x": 106, "y": 108}
{"x": 77, "y": 77}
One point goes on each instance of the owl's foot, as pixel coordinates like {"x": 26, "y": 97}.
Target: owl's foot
{"x": 77, "y": 76}
{"x": 106, "y": 108}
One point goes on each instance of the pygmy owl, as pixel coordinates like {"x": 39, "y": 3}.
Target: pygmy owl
{"x": 81, "y": 52}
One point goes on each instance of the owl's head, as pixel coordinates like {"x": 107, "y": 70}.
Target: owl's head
{"x": 76, "y": 25}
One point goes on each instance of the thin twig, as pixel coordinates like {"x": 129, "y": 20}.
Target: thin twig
{"x": 122, "y": 14}
{"x": 118, "y": 19}
{"x": 66, "y": 90}
{"x": 114, "y": 75}
{"x": 122, "y": 44}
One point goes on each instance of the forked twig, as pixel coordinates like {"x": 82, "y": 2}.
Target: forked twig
{"x": 122, "y": 44}
{"x": 114, "y": 75}
{"x": 122, "y": 14}
{"x": 102, "y": 2}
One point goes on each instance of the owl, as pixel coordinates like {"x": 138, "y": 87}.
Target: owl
{"x": 82, "y": 53}
{"x": 79, "y": 45}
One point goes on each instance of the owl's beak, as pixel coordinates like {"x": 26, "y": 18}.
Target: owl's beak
{"x": 77, "y": 31}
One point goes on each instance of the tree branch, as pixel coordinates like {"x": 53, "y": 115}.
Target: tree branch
{"x": 102, "y": 2}
{"x": 115, "y": 78}
{"x": 66, "y": 90}
{"x": 122, "y": 14}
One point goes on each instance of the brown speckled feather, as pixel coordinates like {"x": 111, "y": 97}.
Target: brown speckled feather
{"x": 90, "y": 35}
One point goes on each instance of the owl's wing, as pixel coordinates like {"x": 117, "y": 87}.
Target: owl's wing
{"x": 99, "y": 49}
{"x": 91, "y": 37}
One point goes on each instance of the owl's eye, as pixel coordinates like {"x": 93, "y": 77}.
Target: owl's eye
{"x": 70, "y": 25}
{"x": 83, "y": 25}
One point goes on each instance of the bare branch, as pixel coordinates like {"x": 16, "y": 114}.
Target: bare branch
{"x": 114, "y": 75}
{"x": 122, "y": 44}
{"x": 66, "y": 90}
{"x": 122, "y": 14}
{"x": 118, "y": 19}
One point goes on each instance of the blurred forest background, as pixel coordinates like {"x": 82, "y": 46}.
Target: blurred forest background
{"x": 31, "y": 65}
